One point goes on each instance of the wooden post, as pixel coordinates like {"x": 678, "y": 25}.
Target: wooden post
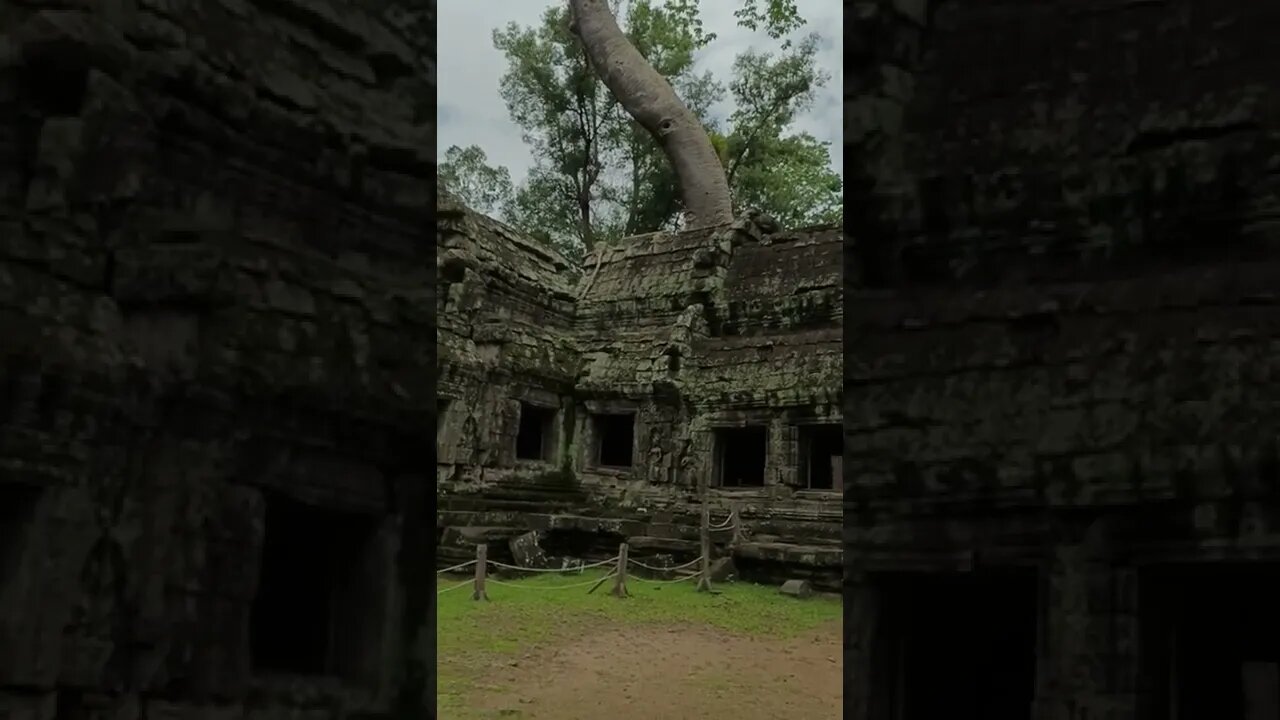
{"x": 482, "y": 563}
{"x": 704, "y": 579}
{"x": 620, "y": 576}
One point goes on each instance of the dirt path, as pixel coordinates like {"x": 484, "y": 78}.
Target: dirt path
{"x": 645, "y": 673}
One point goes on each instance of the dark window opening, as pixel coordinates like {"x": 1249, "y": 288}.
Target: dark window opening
{"x": 533, "y": 439}
{"x": 17, "y": 505}
{"x": 54, "y": 86}
{"x": 442, "y": 407}
{"x": 615, "y": 440}
{"x": 1212, "y": 641}
{"x": 959, "y": 646}
{"x": 740, "y": 456}
{"x": 821, "y": 455}
{"x": 581, "y": 544}
{"x": 51, "y": 401}
{"x": 305, "y": 618}
{"x": 933, "y": 203}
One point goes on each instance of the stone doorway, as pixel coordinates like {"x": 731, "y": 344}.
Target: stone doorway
{"x": 536, "y": 432}
{"x": 615, "y": 439}
{"x": 315, "y": 611}
{"x": 960, "y": 646}
{"x": 740, "y": 456}
{"x": 821, "y": 450}
{"x": 1212, "y": 641}
{"x": 17, "y": 506}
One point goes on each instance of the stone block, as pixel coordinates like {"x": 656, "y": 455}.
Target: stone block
{"x": 723, "y": 569}
{"x": 796, "y": 588}
{"x": 527, "y": 552}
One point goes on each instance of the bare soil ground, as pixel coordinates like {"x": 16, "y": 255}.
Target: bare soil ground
{"x": 664, "y": 672}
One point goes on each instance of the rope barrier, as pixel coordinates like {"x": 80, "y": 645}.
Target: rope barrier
{"x": 454, "y": 587}
{"x": 576, "y": 568}
{"x": 468, "y": 563}
{"x": 682, "y": 578}
{"x": 651, "y": 557}
{"x": 665, "y": 569}
{"x": 592, "y": 581}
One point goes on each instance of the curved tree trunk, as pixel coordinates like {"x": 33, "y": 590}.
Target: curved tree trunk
{"x": 650, "y": 99}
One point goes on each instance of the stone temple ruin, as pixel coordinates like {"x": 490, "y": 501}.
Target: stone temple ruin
{"x": 215, "y": 315}
{"x": 1062, "y": 361}
{"x": 596, "y": 411}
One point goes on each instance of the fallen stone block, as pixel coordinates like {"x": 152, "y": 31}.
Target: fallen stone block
{"x": 723, "y": 570}
{"x": 796, "y": 588}
{"x": 527, "y": 552}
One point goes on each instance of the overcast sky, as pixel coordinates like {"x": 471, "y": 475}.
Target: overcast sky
{"x": 470, "y": 111}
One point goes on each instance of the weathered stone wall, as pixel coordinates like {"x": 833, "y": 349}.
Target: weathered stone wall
{"x": 215, "y": 302}
{"x": 681, "y": 332}
{"x": 505, "y": 312}
{"x": 1062, "y": 323}
{"x": 1125, "y": 135}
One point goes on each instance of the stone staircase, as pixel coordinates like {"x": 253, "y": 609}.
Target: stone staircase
{"x": 779, "y": 544}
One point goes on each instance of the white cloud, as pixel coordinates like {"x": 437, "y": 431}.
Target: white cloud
{"x": 470, "y": 111}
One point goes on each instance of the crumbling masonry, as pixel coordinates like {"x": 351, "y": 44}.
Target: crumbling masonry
{"x": 1062, "y": 360}
{"x": 597, "y": 411}
{"x": 215, "y": 315}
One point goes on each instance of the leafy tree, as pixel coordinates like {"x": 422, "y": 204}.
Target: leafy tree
{"x": 466, "y": 173}
{"x": 788, "y": 176}
{"x": 645, "y": 94}
{"x": 591, "y": 160}
{"x": 600, "y": 175}
{"x": 545, "y": 207}
{"x": 648, "y": 97}
{"x": 776, "y": 17}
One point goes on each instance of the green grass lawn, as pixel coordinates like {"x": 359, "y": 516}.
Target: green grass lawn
{"x": 541, "y": 610}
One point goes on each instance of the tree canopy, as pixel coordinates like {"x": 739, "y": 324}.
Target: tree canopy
{"x": 599, "y": 175}
{"x": 468, "y": 174}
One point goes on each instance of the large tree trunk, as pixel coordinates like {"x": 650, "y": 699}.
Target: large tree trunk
{"x": 650, "y": 99}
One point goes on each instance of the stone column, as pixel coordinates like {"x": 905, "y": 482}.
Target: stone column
{"x": 862, "y": 616}
{"x": 1089, "y": 663}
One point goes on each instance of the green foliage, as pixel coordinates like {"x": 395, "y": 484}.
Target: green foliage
{"x": 787, "y": 175}
{"x": 466, "y": 173}
{"x": 721, "y": 144}
{"x": 543, "y": 207}
{"x": 598, "y": 175}
{"x": 791, "y": 177}
{"x": 776, "y": 17}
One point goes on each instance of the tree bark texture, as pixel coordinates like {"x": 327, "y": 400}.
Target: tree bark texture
{"x": 650, "y": 99}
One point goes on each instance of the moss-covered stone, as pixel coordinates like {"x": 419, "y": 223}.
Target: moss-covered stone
{"x": 682, "y": 332}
